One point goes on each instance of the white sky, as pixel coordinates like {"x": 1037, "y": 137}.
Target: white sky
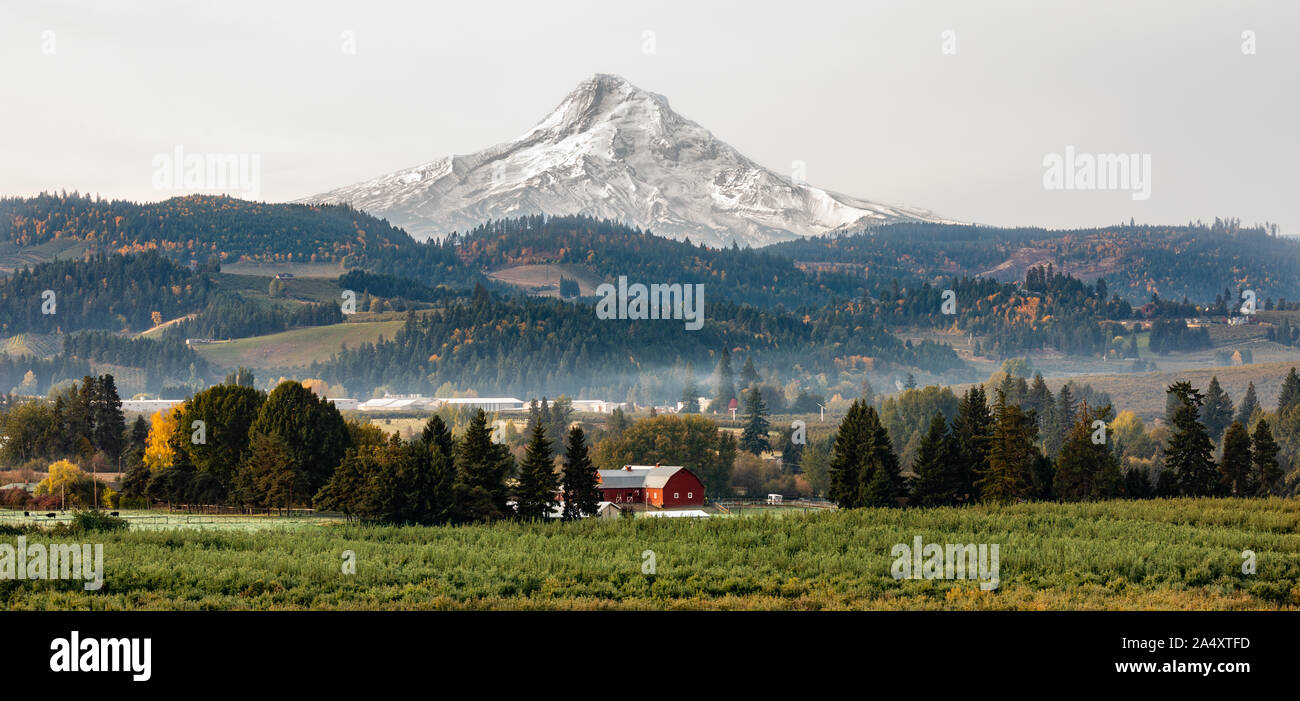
{"x": 859, "y": 91}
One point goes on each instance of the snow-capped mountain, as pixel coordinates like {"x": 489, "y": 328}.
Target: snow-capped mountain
{"x": 612, "y": 150}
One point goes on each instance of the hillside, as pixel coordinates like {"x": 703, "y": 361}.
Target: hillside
{"x": 296, "y": 348}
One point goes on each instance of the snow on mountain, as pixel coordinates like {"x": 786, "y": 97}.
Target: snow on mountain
{"x": 612, "y": 150}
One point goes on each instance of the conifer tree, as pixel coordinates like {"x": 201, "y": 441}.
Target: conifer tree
{"x": 481, "y": 469}
{"x": 1137, "y": 484}
{"x": 1217, "y": 413}
{"x": 1086, "y": 470}
{"x": 1189, "y": 453}
{"x": 537, "y": 493}
{"x": 881, "y": 481}
{"x": 1290, "y": 394}
{"x": 972, "y": 430}
{"x": 847, "y": 456}
{"x": 724, "y": 389}
{"x": 1235, "y": 465}
{"x": 937, "y": 467}
{"x": 754, "y": 438}
{"x": 1249, "y": 405}
{"x": 1011, "y": 455}
{"x": 1266, "y": 475}
{"x": 581, "y": 485}
{"x": 748, "y": 375}
{"x": 690, "y": 395}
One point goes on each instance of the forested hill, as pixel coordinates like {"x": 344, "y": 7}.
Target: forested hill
{"x": 198, "y": 227}
{"x": 609, "y": 249}
{"x": 1135, "y": 261}
{"x": 523, "y": 345}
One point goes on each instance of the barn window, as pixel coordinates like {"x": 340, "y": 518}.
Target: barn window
{"x": 675, "y": 495}
{"x": 690, "y": 495}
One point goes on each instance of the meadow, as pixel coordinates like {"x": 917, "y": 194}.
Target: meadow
{"x": 1168, "y": 554}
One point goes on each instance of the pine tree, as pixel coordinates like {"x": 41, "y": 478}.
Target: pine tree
{"x": 1249, "y": 405}
{"x": 1012, "y": 456}
{"x": 537, "y": 493}
{"x": 1218, "y": 410}
{"x": 1063, "y": 418}
{"x": 725, "y": 383}
{"x": 1040, "y": 401}
{"x": 847, "y": 457}
{"x": 481, "y": 469}
{"x": 972, "y": 430}
{"x": 748, "y": 375}
{"x": 1086, "y": 470}
{"x": 1290, "y": 394}
{"x": 1137, "y": 484}
{"x": 690, "y": 394}
{"x": 435, "y": 472}
{"x": 754, "y": 437}
{"x": 881, "y": 481}
{"x": 938, "y": 470}
{"x": 581, "y": 482}
{"x": 106, "y": 417}
{"x": 1266, "y": 475}
{"x": 1235, "y": 465}
{"x": 1189, "y": 451}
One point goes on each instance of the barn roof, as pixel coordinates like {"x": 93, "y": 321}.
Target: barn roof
{"x": 638, "y": 477}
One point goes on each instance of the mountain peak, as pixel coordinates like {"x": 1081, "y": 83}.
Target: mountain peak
{"x": 606, "y": 96}
{"x": 612, "y": 150}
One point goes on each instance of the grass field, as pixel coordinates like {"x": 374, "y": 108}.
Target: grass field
{"x": 1144, "y": 393}
{"x": 1176, "y": 554}
{"x": 296, "y": 347}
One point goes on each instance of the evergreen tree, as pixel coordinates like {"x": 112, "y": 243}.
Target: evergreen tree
{"x": 754, "y": 437}
{"x": 848, "y": 455}
{"x": 1040, "y": 401}
{"x": 972, "y": 430}
{"x": 1063, "y": 417}
{"x": 1290, "y": 394}
{"x": 242, "y": 377}
{"x": 481, "y": 469}
{"x": 139, "y": 435}
{"x": 1189, "y": 451}
{"x": 881, "y": 481}
{"x": 938, "y": 468}
{"x": 690, "y": 394}
{"x": 434, "y": 473}
{"x": 1012, "y": 456}
{"x": 1235, "y": 465}
{"x": 724, "y": 389}
{"x": 1249, "y": 405}
{"x": 1266, "y": 475}
{"x": 581, "y": 482}
{"x": 748, "y": 375}
{"x": 537, "y": 493}
{"x": 106, "y": 416}
{"x": 1085, "y": 470}
{"x": 1217, "y": 413}
{"x": 309, "y": 428}
{"x": 1137, "y": 484}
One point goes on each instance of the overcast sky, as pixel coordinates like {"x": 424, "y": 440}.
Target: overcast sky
{"x": 861, "y": 92}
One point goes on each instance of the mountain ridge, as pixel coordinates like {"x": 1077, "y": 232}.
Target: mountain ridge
{"x": 611, "y": 150}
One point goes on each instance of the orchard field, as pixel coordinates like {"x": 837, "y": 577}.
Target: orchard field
{"x": 1159, "y": 554}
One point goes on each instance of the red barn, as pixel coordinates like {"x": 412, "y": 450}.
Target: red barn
{"x": 664, "y": 486}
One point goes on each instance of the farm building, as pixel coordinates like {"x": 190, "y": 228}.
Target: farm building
{"x": 664, "y": 486}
